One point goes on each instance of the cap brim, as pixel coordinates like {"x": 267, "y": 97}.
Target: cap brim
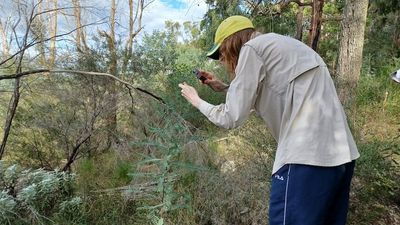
{"x": 214, "y": 52}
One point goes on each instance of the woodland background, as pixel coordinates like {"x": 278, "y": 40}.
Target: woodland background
{"x": 94, "y": 130}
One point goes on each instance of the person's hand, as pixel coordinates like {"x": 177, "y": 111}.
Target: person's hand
{"x": 213, "y": 82}
{"x": 190, "y": 94}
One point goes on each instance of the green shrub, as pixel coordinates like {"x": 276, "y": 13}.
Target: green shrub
{"x": 375, "y": 184}
{"x": 33, "y": 196}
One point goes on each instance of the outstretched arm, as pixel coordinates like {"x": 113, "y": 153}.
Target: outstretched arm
{"x": 241, "y": 95}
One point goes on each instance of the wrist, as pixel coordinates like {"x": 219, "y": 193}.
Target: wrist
{"x": 225, "y": 88}
{"x": 196, "y": 102}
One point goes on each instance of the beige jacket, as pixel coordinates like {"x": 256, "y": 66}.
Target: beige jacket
{"x": 289, "y": 86}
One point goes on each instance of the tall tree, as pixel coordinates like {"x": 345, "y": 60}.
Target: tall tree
{"x": 316, "y": 21}
{"x": 351, "y": 48}
{"x": 299, "y": 22}
{"x": 110, "y": 85}
{"x": 80, "y": 37}
{"x": 53, "y": 5}
{"x": 39, "y": 32}
{"x": 135, "y": 26}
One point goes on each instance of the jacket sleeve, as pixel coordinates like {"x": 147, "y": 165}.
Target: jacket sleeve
{"x": 242, "y": 92}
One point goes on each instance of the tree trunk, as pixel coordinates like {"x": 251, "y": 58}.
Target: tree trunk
{"x": 299, "y": 22}
{"x": 80, "y": 37}
{"x": 4, "y": 41}
{"x": 396, "y": 33}
{"x": 39, "y": 31}
{"x": 351, "y": 47}
{"x": 111, "y": 118}
{"x": 53, "y": 33}
{"x": 134, "y": 18}
{"x": 316, "y": 20}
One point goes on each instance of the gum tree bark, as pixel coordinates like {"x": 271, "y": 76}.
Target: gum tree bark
{"x": 351, "y": 47}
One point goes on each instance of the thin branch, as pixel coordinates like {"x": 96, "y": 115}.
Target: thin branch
{"x": 57, "y": 9}
{"x": 148, "y": 3}
{"x": 75, "y": 152}
{"x": 18, "y": 75}
{"x": 298, "y": 2}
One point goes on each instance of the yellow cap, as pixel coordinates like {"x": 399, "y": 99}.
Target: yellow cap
{"x": 228, "y": 27}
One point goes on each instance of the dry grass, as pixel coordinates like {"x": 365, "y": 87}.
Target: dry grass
{"x": 375, "y": 197}
{"x": 235, "y": 190}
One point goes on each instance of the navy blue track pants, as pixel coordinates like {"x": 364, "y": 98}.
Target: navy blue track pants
{"x": 310, "y": 195}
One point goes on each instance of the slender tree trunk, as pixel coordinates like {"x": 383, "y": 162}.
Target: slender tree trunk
{"x": 396, "y": 33}
{"x": 299, "y": 22}
{"x": 53, "y": 33}
{"x": 131, "y": 26}
{"x": 77, "y": 16}
{"x": 316, "y": 20}
{"x": 4, "y": 41}
{"x": 80, "y": 37}
{"x": 133, "y": 19}
{"x": 39, "y": 32}
{"x": 351, "y": 47}
{"x": 129, "y": 42}
{"x": 111, "y": 119}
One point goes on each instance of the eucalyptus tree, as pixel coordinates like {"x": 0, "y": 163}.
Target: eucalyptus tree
{"x": 351, "y": 48}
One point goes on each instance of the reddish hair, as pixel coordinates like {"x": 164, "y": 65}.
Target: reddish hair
{"x": 230, "y": 49}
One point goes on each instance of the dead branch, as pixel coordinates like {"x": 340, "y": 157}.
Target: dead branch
{"x": 139, "y": 187}
{"x": 75, "y": 152}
